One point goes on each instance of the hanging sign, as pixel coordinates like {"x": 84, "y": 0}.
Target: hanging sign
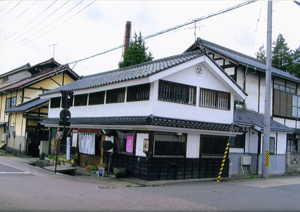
{"x": 68, "y": 150}
{"x": 129, "y": 144}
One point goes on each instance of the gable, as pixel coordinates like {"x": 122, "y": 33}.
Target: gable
{"x": 212, "y": 77}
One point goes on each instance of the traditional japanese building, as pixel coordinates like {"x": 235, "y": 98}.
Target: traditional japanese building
{"x": 170, "y": 118}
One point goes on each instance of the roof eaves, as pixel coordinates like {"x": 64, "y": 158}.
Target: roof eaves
{"x": 21, "y": 68}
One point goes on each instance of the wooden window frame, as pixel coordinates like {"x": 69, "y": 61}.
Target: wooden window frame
{"x": 115, "y": 96}
{"x": 9, "y": 103}
{"x": 55, "y": 102}
{"x": 214, "y": 99}
{"x": 138, "y": 93}
{"x": 97, "y": 98}
{"x": 177, "y": 93}
{"x": 80, "y": 100}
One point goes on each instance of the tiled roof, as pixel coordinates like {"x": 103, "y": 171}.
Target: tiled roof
{"x": 28, "y": 105}
{"x": 129, "y": 73}
{"x": 27, "y": 65}
{"x": 244, "y": 59}
{"x": 252, "y": 118}
{"x": 35, "y": 79}
{"x": 148, "y": 120}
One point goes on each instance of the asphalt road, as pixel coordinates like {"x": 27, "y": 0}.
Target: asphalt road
{"x": 27, "y": 188}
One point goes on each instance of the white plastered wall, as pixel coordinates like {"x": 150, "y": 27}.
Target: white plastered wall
{"x": 193, "y": 146}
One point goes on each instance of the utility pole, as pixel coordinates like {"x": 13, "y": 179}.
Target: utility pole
{"x": 266, "y": 141}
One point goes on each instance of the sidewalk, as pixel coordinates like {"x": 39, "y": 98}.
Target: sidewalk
{"x": 110, "y": 180}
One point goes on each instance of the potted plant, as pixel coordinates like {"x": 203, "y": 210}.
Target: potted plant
{"x": 102, "y": 165}
{"x": 86, "y": 163}
{"x": 51, "y": 158}
{"x": 47, "y": 157}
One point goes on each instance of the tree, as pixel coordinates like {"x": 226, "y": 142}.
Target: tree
{"x": 261, "y": 54}
{"x": 281, "y": 54}
{"x": 136, "y": 52}
{"x": 295, "y": 67}
{"x": 282, "y": 57}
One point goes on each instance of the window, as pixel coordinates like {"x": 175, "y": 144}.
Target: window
{"x": 10, "y": 102}
{"x": 238, "y": 141}
{"x": 213, "y": 145}
{"x": 272, "y": 145}
{"x": 138, "y": 93}
{"x": 286, "y": 102}
{"x": 177, "y": 93}
{"x": 55, "y": 102}
{"x": 96, "y": 98}
{"x": 80, "y": 100}
{"x": 214, "y": 99}
{"x": 169, "y": 144}
{"x": 124, "y": 141}
{"x": 115, "y": 95}
{"x": 292, "y": 143}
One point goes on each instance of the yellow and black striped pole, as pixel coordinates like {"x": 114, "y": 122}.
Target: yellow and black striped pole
{"x": 267, "y": 158}
{"x": 223, "y": 161}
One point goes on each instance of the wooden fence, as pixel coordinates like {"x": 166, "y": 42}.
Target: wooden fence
{"x": 161, "y": 168}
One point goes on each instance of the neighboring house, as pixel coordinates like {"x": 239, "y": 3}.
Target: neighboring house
{"x": 168, "y": 119}
{"x": 249, "y": 73}
{"x": 21, "y": 108}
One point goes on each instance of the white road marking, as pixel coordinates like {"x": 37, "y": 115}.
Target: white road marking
{"x": 16, "y": 173}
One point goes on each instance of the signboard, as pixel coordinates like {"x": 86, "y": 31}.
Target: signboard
{"x": 68, "y": 151}
{"x": 129, "y": 144}
{"x": 74, "y": 139}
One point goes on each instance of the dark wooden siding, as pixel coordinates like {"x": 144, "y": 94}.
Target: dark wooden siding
{"x": 167, "y": 168}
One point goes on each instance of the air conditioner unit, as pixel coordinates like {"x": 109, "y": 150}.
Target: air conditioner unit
{"x": 4, "y": 137}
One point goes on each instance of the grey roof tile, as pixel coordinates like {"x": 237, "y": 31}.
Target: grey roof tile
{"x": 252, "y": 118}
{"x": 149, "y": 120}
{"x": 28, "y": 105}
{"x": 129, "y": 73}
{"x": 245, "y": 59}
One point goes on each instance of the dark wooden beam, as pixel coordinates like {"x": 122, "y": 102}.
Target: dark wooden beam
{"x": 228, "y": 66}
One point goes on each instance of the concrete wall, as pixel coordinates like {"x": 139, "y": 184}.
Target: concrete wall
{"x": 292, "y": 162}
{"x": 277, "y": 163}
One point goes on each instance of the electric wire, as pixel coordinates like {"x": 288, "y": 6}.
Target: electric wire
{"x": 170, "y": 29}
{"x": 236, "y": 110}
{"x": 38, "y": 24}
{"x": 29, "y": 21}
{"x": 19, "y": 15}
{"x": 50, "y": 24}
{"x": 10, "y": 10}
{"x": 61, "y": 22}
{"x": 5, "y": 6}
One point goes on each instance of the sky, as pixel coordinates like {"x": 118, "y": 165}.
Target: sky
{"x": 34, "y": 31}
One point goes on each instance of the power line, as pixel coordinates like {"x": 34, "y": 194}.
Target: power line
{"x": 5, "y": 6}
{"x": 297, "y": 2}
{"x": 30, "y": 21}
{"x": 170, "y": 29}
{"x": 38, "y": 23}
{"x": 19, "y": 15}
{"x": 11, "y": 10}
{"x": 61, "y": 22}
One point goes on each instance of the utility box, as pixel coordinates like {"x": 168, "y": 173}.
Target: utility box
{"x": 246, "y": 160}
{"x": 4, "y": 137}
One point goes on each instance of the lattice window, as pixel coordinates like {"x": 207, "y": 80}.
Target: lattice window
{"x": 177, "y": 93}
{"x": 214, "y": 99}
{"x": 138, "y": 93}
